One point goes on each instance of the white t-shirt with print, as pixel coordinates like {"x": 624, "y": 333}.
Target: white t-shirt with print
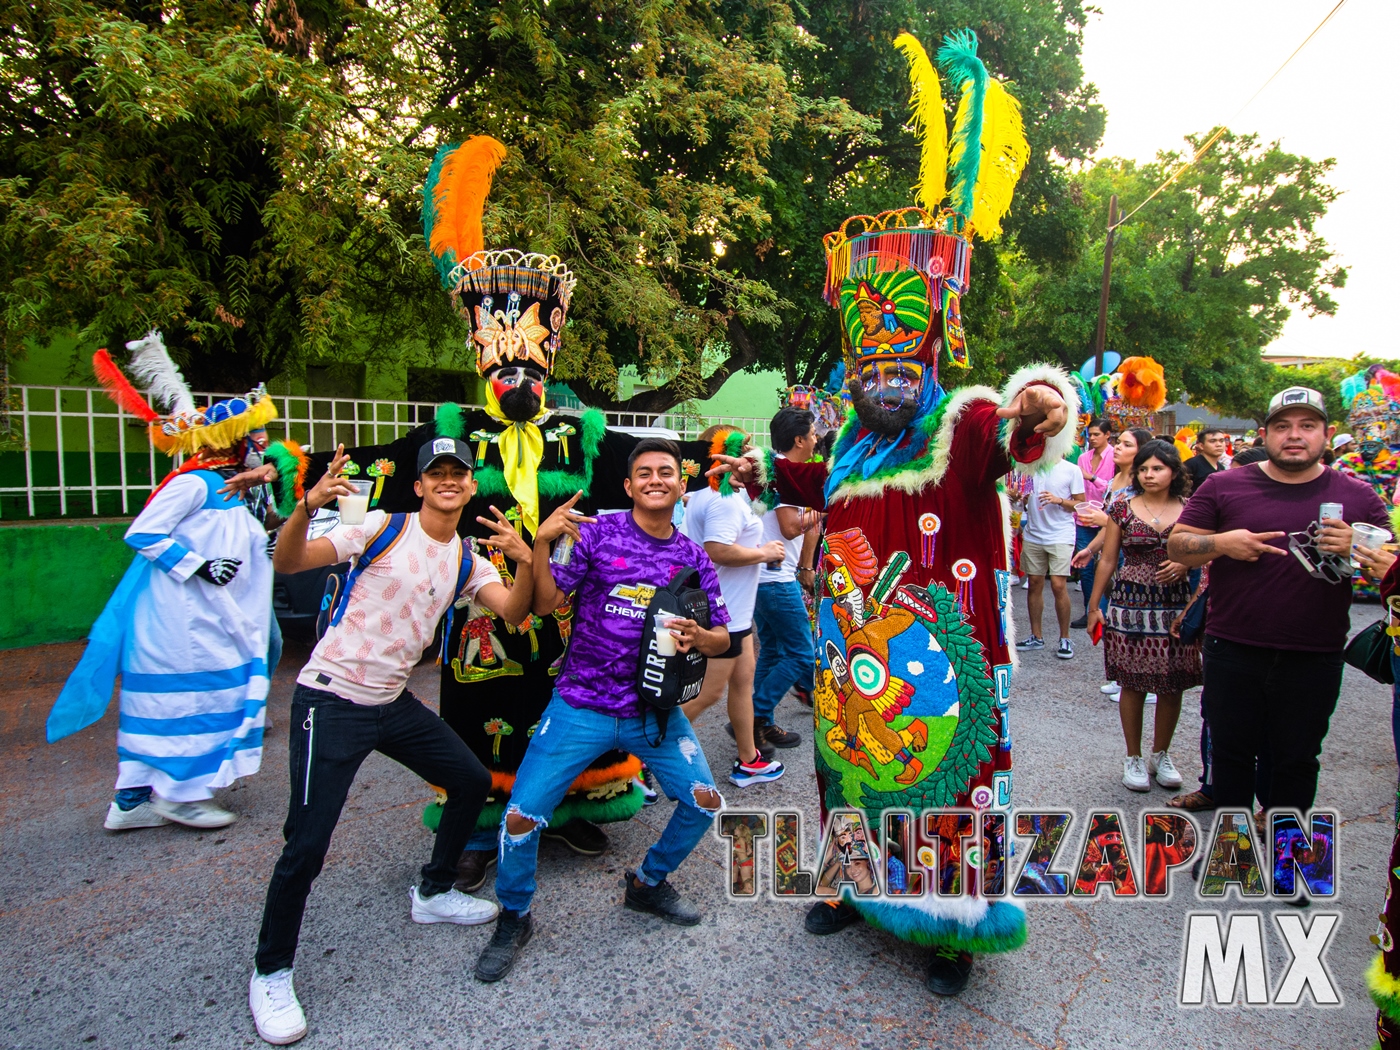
{"x": 392, "y": 613}
{"x": 712, "y": 518}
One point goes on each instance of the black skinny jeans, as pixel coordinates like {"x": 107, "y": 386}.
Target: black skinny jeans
{"x": 329, "y": 738}
{"x": 1274, "y": 704}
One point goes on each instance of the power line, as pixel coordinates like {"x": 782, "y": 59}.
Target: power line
{"x": 1222, "y": 128}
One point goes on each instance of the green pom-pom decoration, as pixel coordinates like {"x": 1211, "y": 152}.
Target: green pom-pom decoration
{"x": 449, "y": 421}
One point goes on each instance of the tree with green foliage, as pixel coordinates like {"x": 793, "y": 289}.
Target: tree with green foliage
{"x": 242, "y": 175}
{"x": 245, "y": 175}
{"x": 1204, "y": 276}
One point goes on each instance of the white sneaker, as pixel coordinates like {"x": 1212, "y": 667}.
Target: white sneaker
{"x": 1150, "y": 698}
{"x": 276, "y": 1011}
{"x": 452, "y": 906}
{"x": 1162, "y": 766}
{"x": 1135, "y": 774}
{"x": 1110, "y": 688}
{"x": 143, "y": 816}
{"x": 204, "y": 814}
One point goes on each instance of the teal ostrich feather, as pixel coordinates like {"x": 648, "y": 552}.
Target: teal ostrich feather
{"x": 447, "y": 260}
{"x": 958, "y": 58}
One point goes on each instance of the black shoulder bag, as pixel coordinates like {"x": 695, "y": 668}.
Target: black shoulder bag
{"x": 666, "y": 682}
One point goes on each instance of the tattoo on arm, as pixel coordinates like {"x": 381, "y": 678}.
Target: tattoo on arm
{"x": 1198, "y": 544}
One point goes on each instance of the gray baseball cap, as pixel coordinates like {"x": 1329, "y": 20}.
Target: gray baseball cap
{"x": 1296, "y": 397}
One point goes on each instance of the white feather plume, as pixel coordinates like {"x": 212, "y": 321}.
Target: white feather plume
{"x": 151, "y": 365}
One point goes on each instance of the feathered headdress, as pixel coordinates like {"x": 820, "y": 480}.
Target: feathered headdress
{"x": 515, "y": 301}
{"x": 965, "y": 187}
{"x": 988, "y": 148}
{"x": 184, "y": 428}
{"x": 1142, "y": 384}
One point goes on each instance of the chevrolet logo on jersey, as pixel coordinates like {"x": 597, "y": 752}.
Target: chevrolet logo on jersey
{"x": 639, "y": 594}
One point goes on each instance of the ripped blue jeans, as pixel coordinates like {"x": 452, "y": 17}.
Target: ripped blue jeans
{"x": 567, "y": 740}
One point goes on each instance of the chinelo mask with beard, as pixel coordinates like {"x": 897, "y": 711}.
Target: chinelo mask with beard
{"x": 519, "y": 392}
{"x": 879, "y": 416}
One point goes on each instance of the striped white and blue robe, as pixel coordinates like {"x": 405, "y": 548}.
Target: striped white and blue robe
{"x": 192, "y": 655}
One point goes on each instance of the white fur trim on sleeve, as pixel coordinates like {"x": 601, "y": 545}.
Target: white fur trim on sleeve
{"x": 1058, "y": 446}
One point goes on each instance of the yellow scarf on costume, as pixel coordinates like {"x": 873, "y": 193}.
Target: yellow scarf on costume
{"x": 522, "y": 449}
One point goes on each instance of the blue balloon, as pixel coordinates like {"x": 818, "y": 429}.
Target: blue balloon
{"x": 1111, "y": 360}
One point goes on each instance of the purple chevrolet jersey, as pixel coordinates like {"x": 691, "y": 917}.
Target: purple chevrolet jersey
{"x": 616, "y": 568}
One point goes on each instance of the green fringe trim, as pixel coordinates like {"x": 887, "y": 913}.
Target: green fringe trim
{"x": 598, "y": 811}
{"x": 733, "y": 446}
{"x": 552, "y": 484}
{"x": 1002, "y": 929}
{"x": 1384, "y": 989}
{"x": 289, "y": 467}
{"x": 592, "y": 428}
{"x": 449, "y": 421}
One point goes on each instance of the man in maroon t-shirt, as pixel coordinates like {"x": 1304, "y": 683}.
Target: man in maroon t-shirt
{"x": 1271, "y": 681}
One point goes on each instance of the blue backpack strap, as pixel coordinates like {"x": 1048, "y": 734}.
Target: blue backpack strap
{"x": 464, "y": 571}
{"x": 378, "y": 546}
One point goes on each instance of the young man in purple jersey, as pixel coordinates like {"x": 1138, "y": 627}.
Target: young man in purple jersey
{"x": 617, "y": 564}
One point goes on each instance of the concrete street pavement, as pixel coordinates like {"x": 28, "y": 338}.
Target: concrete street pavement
{"x": 145, "y": 938}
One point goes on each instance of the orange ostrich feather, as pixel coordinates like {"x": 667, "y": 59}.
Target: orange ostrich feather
{"x": 460, "y": 196}
{"x": 119, "y": 388}
{"x": 1143, "y": 384}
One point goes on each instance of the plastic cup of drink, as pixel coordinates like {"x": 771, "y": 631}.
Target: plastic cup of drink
{"x": 1081, "y": 510}
{"x": 1365, "y": 535}
{"x": 665, "y": 640}
{"x": 355, "y": 506}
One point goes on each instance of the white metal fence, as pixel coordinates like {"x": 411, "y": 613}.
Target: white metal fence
{"x": 77, "y": 455}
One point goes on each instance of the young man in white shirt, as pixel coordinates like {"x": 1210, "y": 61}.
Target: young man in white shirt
{"x": 351, "y": 699}
{"x": 1047, "y": 545}
{"x": 779, "y": 615}
{"x": 732, "y": 536}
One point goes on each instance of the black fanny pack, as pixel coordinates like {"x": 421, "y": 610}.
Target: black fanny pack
{"x": 666, "y": 682}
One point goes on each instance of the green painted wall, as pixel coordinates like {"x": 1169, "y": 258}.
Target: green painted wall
{"x": 57, "y": 578}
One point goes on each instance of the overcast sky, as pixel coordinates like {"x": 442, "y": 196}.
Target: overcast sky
{"x": 1166, "y": 69}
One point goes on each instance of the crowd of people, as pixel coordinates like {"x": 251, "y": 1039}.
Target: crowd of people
{"x": 1174, "y": 558}
{"x": 870, "y": 578}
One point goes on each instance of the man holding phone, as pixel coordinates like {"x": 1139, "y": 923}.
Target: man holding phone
{"x": 1271, "y": 682}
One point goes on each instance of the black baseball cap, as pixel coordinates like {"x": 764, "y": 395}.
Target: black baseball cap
{"x": 445, "y": 448}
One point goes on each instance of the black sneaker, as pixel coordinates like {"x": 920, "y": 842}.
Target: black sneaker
{"x": 661, "y": 899}
{"x": 764, "y": 747}
{"x": 472, "y": 868}
{"x": 579, "y": 835}
{"x": 948, "y": 971}
{"x": 804, "y": 696}
{"x": 513, "y": 932}
{"x": 823, "y": 918}
{"x": 1079, "y": 624}
{"x": 776, "y": 735}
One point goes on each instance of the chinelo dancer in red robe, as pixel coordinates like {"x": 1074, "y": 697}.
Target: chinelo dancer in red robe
{"x": 914, "y": 661}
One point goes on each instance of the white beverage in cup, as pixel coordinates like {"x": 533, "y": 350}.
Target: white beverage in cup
{"x": 665, "y": 640}
{"x": 1366, "y": 535}
{"x": 355, "y": 506}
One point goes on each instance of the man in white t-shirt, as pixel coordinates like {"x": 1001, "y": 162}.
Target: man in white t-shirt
{"x": 732, "y": 536}
{"x": 780, "y": 615}
{"x": 1047, "y": 545}
{"x": 351, "y": 699}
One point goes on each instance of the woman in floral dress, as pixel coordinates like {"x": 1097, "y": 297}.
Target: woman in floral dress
{"x": 1148, "y": 591}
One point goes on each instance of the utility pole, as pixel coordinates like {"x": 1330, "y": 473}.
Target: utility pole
{"x": 1103, "y": 290}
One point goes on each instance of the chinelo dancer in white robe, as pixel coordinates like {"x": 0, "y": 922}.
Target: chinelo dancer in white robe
{"x": 194, "y": 666}
{"x": 189, "y": 626}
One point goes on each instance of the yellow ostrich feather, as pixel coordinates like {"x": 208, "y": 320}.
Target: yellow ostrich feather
{"x": 1004, "y": 155}
{"x": 930, "y": 123}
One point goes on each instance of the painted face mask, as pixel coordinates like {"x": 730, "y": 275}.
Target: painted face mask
{"x": 519, "y": 391}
